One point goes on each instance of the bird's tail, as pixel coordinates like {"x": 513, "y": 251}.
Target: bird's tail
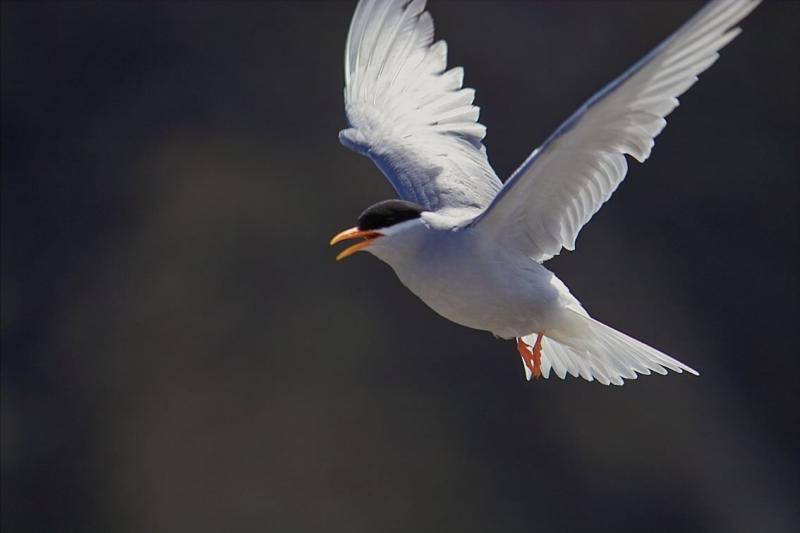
{"x": 602, "y": 353}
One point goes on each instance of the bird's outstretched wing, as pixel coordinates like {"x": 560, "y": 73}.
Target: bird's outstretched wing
{"x": 546, "y": 202}
{"x": 408, "y": 113}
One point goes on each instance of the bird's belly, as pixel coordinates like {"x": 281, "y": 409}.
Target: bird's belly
{"x": 508, "y": 296}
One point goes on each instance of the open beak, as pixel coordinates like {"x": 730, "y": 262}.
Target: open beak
{"x": 354, "y": 233}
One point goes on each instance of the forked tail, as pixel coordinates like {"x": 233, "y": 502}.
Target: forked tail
{"x": 603, "y": 354}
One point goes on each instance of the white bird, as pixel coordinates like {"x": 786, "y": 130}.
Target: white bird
{"x": 472, "y": 247}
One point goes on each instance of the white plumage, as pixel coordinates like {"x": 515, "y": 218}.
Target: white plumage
{"x": 474, "y": 253}
{"x": 409, "y": 113}
{"x": 547, "y": 201}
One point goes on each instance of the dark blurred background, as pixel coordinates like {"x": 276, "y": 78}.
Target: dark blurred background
{"x": 180, "y": 351}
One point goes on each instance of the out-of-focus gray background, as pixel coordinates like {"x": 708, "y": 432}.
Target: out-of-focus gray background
{"x": 180, "y": 351}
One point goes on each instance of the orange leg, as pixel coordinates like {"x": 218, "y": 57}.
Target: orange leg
{"x": 531, "y": 357}
{"x": 526, "y": 354}
{"x": 537, "y": 356}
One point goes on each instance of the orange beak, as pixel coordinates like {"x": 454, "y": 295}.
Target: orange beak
{"x": 354, "y": 233}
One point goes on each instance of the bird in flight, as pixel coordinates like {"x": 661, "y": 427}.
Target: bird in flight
{"x": 471, "y": 247}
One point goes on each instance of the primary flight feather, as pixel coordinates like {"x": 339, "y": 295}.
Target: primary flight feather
{"x": 472, "y": 247}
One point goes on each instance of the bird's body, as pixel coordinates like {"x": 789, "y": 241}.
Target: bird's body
{"x": 472, "y": 247}
{"x": 472, "y": 281}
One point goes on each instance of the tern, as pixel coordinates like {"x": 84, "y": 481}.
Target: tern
{"x": 471, "y": 247}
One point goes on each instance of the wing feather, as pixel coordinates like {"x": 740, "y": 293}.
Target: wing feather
{"x": 409, "y": 114}
{"x": 545, "y": 203}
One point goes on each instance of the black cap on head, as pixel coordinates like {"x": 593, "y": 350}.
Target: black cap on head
{"x": 388, "y": 213}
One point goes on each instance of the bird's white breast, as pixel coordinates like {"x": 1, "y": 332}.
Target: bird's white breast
{"x": 475, "y": 282}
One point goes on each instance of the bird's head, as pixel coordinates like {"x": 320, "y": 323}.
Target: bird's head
{"x": 380, "y": 226}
